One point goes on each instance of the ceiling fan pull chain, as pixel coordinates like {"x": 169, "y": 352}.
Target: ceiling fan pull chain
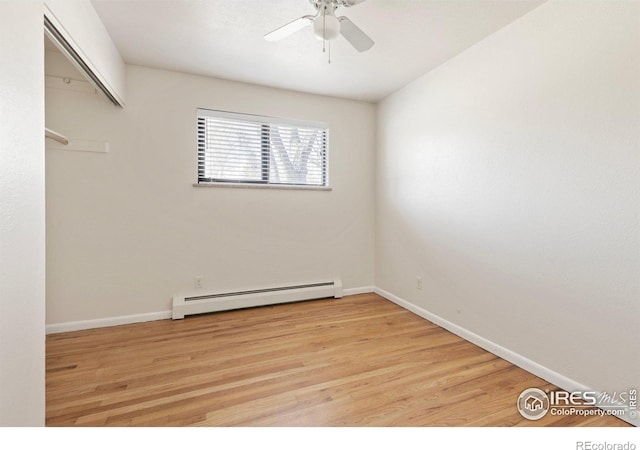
{"x": 324, "y": 29}
{"x": 329, "y": 44}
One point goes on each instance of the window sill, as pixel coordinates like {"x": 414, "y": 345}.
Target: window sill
{"x": 290, "y": 187}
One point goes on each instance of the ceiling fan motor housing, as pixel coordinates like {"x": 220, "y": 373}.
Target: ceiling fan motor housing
{"x": 326, "y": 25}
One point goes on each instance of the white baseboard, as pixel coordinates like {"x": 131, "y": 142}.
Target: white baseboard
{"x": 107, "y": 322}
{"x": 490, "y": 346}
{"x": 514, "y": 358}
{"x": 358, "y": 290}
{"x": 147, "y": 317}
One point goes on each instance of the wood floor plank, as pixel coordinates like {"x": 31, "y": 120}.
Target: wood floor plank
{"x": 357, "y": 361}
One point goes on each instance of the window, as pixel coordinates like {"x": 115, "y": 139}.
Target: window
{"x": 246, "y": 149}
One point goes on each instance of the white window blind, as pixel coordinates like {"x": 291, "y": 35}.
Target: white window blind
{"x": 243, "y": 148}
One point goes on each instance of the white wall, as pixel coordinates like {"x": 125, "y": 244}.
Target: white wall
{"x": 126, "y": 230}
{"x": 22, "y": 214}
{"x": 509, "y": 179}
{"x": 80, "y": 24}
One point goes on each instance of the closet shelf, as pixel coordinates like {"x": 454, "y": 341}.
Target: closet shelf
{"x": 55, "y": 136}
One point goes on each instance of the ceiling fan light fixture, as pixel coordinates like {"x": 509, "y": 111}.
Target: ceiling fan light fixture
{"x": 326, "y": 27}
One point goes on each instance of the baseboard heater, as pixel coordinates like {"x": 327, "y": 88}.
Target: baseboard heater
{"x": 184, "y": 305}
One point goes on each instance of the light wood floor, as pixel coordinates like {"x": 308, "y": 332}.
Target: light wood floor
{"x": 356, "y": 361}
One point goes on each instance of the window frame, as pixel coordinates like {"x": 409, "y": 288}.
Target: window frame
{"x": 265, "y": 151}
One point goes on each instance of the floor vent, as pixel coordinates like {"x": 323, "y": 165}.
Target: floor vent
{"x": 184, "y": 305}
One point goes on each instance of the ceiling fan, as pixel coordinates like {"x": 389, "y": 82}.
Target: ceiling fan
{"x": 326, "y": 26}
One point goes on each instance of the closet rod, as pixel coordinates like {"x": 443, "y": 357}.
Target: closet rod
{"x": 55, "y": 136}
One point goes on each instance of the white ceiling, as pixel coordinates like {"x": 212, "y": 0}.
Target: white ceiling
{"x": 224, "y": 39}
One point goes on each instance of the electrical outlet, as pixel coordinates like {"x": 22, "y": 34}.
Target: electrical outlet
{"x": 419, "y": 283}
{"x": 197, "y": 282}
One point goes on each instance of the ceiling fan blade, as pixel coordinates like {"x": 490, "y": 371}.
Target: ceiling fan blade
{"x": 352, "y": 2}
{"x": 355, "y": 35}
{"x": 288, "y": 29}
